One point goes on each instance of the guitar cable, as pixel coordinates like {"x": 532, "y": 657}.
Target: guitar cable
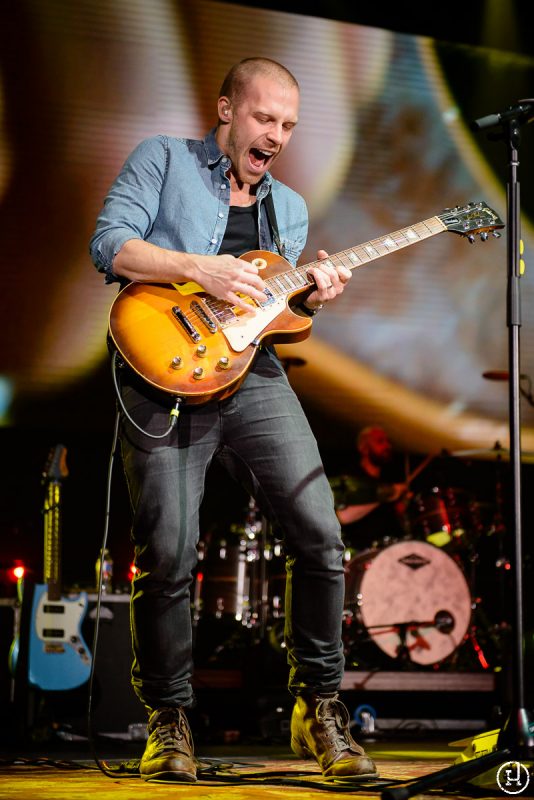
{"x": 174, "y": 412}
{"x": 209, "y": 769}
{"x": 102, "y": 765}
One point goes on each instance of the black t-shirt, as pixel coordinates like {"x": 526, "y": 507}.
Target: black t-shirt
{"x": 241, "y": 233}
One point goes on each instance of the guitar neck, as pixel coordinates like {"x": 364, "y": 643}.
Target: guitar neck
{"x": 384, "y": 245}
{"x": 52, "y": 540}
{"x": 299, "y": 280}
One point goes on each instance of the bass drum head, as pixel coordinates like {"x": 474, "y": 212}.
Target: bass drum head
{"x": 412, "y": 587}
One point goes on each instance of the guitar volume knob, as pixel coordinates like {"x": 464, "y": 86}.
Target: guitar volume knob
{"x": 223, "y": 362}
{"x": 201, "y": 350}
{"x": 198, "y": 373}
{"x": 176, "y": 363}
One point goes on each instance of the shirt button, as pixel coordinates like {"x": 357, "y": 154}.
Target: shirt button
{"x": 223, "y": 186}
{"x": 214, "y": 241}
{"x": 220, "y": 215}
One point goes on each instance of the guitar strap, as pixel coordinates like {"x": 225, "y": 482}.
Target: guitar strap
{"x": 271, "y": 215}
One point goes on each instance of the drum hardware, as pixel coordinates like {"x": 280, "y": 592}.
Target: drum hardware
{"x": 445, "y": 517}
{"x": 504, "y": 375}
{"x": 275, "y": 583}
{"x": 495, "y": 453}
{"x": 487, "y": 557}
{"x": 228, "y": 579}
{"x": 241, "y": 580}
{"x": 239, "y": 589}
{"x": 443, "y": 622}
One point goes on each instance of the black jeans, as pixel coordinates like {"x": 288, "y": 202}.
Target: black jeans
{"x": 264, "y": 428}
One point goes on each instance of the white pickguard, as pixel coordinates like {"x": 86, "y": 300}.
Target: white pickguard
{"x": 58, "y": 657}
{"x": 242, "y": 332}
{"x": 65, "y": 624}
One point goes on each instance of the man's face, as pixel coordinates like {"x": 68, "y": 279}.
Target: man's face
{"x": 259, "y": 127}
{"x": 379, "y": 448}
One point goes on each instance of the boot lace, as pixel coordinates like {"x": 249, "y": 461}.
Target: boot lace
{"x": 171, "y": 731}
{"x": 332, "y": 714}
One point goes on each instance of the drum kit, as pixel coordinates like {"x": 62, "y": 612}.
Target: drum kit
{"x": 241, "y": 576}
{"x": 410, "y": 602}
{"x": 238, "y": 591}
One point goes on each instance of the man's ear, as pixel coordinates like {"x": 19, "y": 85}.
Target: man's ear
{"x": 225, "y": 109}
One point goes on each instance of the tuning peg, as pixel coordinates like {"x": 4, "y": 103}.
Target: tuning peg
{"x": 484, "y": 236}
{"x": 496, "y": 234}
{"x": 471, "y": 238}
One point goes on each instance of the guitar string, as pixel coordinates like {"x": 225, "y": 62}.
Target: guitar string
{"x": 365, "y": 253}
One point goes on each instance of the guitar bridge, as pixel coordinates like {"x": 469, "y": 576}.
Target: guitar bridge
{"x": 210, "y": 324}
{"x": 186, "y": 324}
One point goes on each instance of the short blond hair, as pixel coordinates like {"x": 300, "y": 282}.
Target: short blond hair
{"x": 235, "y": 82}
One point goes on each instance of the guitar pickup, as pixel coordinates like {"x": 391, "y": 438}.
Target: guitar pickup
{"x": 51, "y": 609}
{"x": 53, "y": 633}
{"x": 186, "y": 324}
{"x": 210, "y": 324}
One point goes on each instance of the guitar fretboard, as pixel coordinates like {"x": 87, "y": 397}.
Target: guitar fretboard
{"x": 52, "y": 532}
{"x": 297, "y": 278}
{"x": 288, "y": 282}
{"x": 467, "y": 220}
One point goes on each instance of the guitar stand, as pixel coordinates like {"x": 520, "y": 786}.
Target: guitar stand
{"x": 515, "y": 741}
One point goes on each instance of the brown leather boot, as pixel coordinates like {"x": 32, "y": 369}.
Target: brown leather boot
{"x": 320, "y": 730}
{"x": 168, "y": 754}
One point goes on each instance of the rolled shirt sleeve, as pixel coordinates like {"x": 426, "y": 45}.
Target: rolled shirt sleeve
{"x": 131, "y": 205}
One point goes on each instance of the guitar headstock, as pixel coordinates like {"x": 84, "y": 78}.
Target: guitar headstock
{"x": 471, "y": 220}
{"x": 56, "y": 465}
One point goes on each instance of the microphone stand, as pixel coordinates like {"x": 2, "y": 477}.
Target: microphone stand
{"x": 515, "y": 741}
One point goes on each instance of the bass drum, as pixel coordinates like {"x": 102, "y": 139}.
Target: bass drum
{"x": 412, "y": 599}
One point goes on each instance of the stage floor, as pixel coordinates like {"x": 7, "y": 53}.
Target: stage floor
{"x": 262, "y": 771}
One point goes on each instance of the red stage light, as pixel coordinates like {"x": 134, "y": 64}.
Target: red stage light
{"x": 17, "y": 573}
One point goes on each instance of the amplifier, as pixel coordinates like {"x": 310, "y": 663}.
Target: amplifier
{"x": 116, "y": 711}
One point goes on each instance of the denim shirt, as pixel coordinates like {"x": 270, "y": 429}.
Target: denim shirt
{"x": 175, "y": 193}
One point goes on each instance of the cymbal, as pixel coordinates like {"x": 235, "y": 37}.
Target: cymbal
{"x": 500, "y": 375}
{"x": 495, "y": 453}
{"x": 497, "y": 449}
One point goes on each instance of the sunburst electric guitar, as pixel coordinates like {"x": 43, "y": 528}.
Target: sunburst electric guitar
{"x": 192, "y": 345}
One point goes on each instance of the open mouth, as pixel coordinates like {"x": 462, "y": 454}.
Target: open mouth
{"x": 259, "y": 159}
